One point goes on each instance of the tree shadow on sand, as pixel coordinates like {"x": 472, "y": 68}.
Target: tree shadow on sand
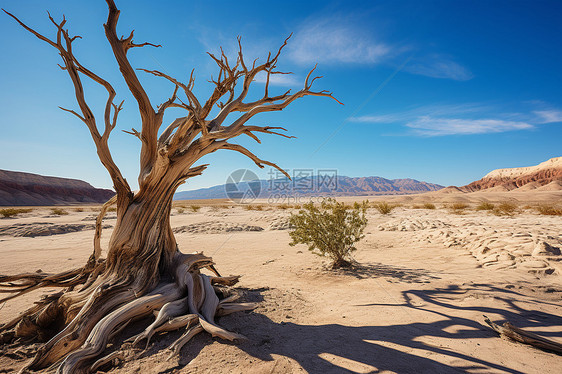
{"x": 330, "y": 348}
{"x": 379, "y": 270}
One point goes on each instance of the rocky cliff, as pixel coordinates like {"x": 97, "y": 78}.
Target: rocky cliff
{"x": 531, "y": 177}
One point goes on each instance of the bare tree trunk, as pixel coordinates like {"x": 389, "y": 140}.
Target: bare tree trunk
{"x": 142, "y": 243}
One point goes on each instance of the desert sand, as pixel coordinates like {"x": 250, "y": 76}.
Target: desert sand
{"x": 415, "y": 301}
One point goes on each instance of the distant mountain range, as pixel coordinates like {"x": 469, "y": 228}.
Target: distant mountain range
{"x": 335, "y": 186}
{"x": 26, "y": 189}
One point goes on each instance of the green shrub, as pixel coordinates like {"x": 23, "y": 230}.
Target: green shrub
{"x": 331, "y": 229}
{"x": 549, "y": 210}
{"x": 12, "y": 212}
{"x": 484, "y": 205}
{"x": 383, "y": 207}
{"x": 59, "y": 212}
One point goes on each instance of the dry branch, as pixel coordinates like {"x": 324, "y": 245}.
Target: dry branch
{"x": 525, "y": 337}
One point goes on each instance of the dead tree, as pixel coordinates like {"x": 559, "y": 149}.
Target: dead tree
{"x": 144, "y": 272}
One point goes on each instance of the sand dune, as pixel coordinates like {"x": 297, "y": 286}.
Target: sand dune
{"x": 552, "y": 186}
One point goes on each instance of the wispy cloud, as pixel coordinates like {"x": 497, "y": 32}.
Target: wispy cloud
{"x": 343, "y": 40}
{"x": 438, "y": 110}
{"x": 439, "y": 66}
{"x": 284, "y": 80}
{"x": 386, "y": 118}
{"x": 549, "y": 116}
{"x": 332, "y": 40}
{"x": 430, "y": 126}
{"x": 461, "y": 119}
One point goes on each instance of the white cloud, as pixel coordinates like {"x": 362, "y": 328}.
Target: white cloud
{"x": 385, "y": 118}
{"x": 549, "y": 116}
{"x": 441, "y": 110}
{"x": 430, "y": 126}
{"x": 284, "y": 80}
{"x": 439, "y": 66}
{"x": 333, "y": 40}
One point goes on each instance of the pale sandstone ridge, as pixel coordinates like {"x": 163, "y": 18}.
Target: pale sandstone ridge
{"x": 523, "y": 178}
{"x": 26, "y": 189}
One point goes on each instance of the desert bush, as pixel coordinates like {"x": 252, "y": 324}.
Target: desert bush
{"x": 416, "y": 206}
{"x": 78, "y": 210}
{"x": 330, "y": 228}
{"x": 549, "y": 210}
{"x": 12, "y": 212}
{"x": 505, "y": 209}
{"x": 429, "y": 206}
{"x": 112, "y": 209}
{"x": 484, "y": 205}
{"x": 59, "y": 212}
{"x": 283, "y": 206}
{"x": 383, "y": 207}
{"x": 180, "y": 210}
{"x": 195, "y": 208}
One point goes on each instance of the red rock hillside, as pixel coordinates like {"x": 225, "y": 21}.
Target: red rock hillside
{"x": 25, "y": 189}
{"x": 546, "y": 173}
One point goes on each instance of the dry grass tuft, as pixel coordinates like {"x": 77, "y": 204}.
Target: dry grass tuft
{"x": 549, "y": 210}
{"x": 383, "y": 207}
{"x": 59, "y": 212}
{"x": 195, "y": 208}
{"x": 484, "y": 205}
{"x": 12, "y": 212}
{"x": 505, "y": 208}
{"x": 458, "y": 208}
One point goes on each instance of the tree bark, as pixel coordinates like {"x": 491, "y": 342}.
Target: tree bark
{"x": 142, "y": 244}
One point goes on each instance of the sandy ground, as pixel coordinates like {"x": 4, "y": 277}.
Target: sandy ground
{"x": 415, "y": 303}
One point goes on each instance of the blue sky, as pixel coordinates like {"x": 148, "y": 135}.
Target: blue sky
{"x": 440, "y": 91}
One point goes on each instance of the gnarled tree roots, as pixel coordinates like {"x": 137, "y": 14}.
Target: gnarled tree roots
{"x": 76, "y": 324}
